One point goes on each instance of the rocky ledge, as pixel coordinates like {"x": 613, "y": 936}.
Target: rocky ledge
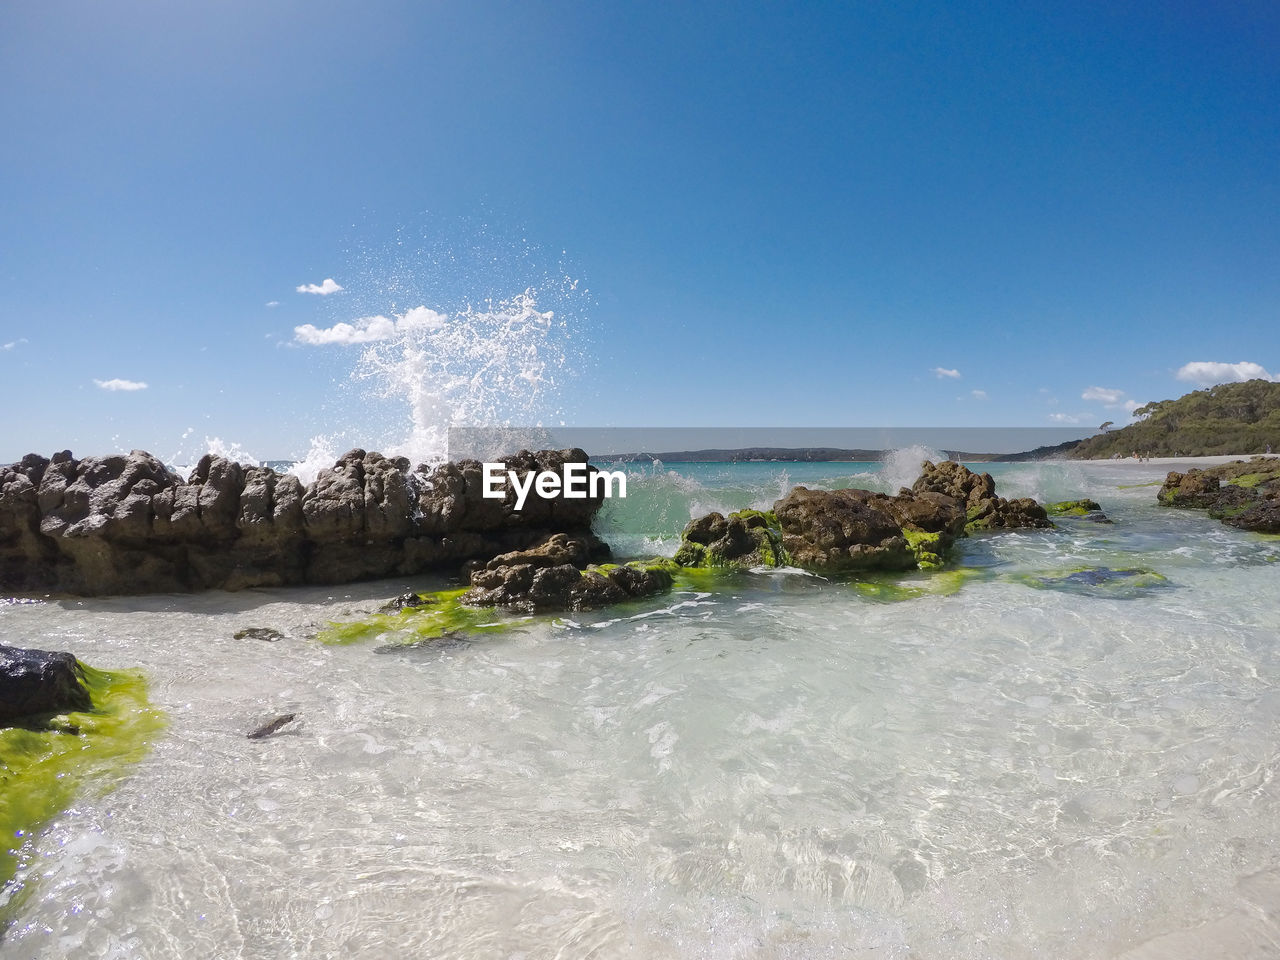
{"x": 1244, "y": 493}
{"x": 128, "y": 524}
{"x": 847, "y": 531}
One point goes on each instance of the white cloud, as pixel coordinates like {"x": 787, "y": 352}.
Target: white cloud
{"x": 273, "y": 303}
{"x": 14, "y": 343}
{"x": 324, "y": 289}
{"x": 1207, "y": 373}
{"x": 941, "y": 372}
{"x": 369, "y": 329}
{"x": 979, "y": 394}
{"x": 121, "y": 384}
{"x": 1110, "y": 398}
{"x": 1069, "y": 417}
{"x": 1131, "y": 405}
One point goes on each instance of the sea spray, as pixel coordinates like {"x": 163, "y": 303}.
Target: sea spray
{"x": 902, "y": 466}
{"x": 480, "y": 366}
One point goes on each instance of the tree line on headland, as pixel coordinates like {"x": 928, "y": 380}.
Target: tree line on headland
{"x": 1231, "y": 418}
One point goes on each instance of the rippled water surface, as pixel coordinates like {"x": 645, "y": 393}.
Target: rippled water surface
{"x": 1036, "y": 765}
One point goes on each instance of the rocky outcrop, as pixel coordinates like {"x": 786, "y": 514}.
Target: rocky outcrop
{"x": 984, "y": 510}
{"x": 535, "y": 586}
{"x": 1243, "y": 493}
{"x": 36, "y": 682}
{"x": 128, "y": 524}
{"x": 847, "y": 531}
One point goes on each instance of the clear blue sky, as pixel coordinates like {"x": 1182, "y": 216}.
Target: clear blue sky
{"x": 777, "y": 213}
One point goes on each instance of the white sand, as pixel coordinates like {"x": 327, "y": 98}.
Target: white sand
{"x": 1170, "y": 463}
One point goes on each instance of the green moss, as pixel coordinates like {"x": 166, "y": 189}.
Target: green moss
{"x": 444, "y": 613}
{"x": 1126, "y": 583}
{"x": 894, "y": 589}
{"x": 1072, "y": 508}
{"x": 1251, "y": 480}
{"x": 657, "y": 563}
{"x": 42, "y": 768}
{"x": 928, "y": 547}
{"x": 764, "y": 530}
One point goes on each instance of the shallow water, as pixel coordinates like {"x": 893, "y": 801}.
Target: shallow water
{"x": 1029, "y": 767}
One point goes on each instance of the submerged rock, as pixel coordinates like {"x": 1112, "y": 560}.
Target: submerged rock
{"x": 258, "y": 633}
{"x": 272, "y": 727}
{"x": 38, "y": 682}
{"x": 1084, "y": 509}
{"x": 1122, "y": 584}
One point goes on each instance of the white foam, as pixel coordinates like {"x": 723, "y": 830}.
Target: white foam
{"x": 902, "y": 466}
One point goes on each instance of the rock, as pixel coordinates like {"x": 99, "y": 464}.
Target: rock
{"x": 556, "y": 550}
{"x": 530, "y": 588}
{"x": 748, "y": 538}
{"x": 984, "y": 510}
{"x": 1262, "y": 517}
{"x": 127, "y": 524}
{"x": 37, "y": 682}
{"x": 839, "y": 531}
{"x": 844, "y": 531}
{"x": 1084, "y": 509}
{"x": 1195, "y": 488}
{"x": 1243, "y": 493}
{"x": 258, "y": 633}
{"x": 272, "y": 727}
{"x": 406, "y": 601}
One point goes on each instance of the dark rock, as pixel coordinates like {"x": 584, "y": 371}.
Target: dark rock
{"x": 840, "y": 531}
{"x": 747, "y": 538}
{"x": 845, "y": 531}
{"x": 1262, "y": 517}
{"x": 557, "y": 550}
{"x": 258, "y": 633}
{"x": 1243, "y": 493}
{"x": 37, "y": 682}
{"x": 523, "y": 586}
{"x": 1195, "y": 488}
{"x": 984, "y": 510}
{"x": 406, "y": 601}
{"x": 272, "y": 727}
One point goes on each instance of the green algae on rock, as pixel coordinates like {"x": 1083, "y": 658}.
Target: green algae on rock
{"x": 43, "y": 765}
{"x": 929, "y": 548}
{"x": 1243, "y": 493}
{"x": 746, "y": 538}
{"x": 440, "y": 612}
{"x": 1072, "y": 508}
{"x": 1097, "y": 581}
{"x": 895, "y": 589}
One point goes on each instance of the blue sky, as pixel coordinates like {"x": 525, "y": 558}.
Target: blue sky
{"x": 760, "y": 214}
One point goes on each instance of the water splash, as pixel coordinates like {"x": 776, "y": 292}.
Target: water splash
{"x": 321, "y": 456}
{"x": 489, "y": 365}
{"x": 902, "y": 466}
{"x": 452, "y": 324}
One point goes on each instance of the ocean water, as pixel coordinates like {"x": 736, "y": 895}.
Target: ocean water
{"x": 1041, "y": 763}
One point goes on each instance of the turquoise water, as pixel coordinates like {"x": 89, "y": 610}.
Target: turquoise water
{"x": 782, "y": 766}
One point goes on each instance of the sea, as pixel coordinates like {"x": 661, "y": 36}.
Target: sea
{"x": 1064, "y": 746}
